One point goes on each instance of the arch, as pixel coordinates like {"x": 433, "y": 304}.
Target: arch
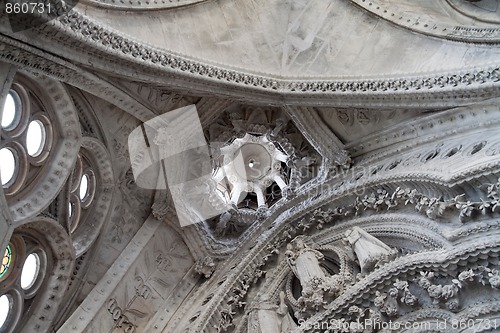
{"x": 51, "y": 176}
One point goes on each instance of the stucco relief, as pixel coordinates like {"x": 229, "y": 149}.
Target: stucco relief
{"x": 148, "y": 283}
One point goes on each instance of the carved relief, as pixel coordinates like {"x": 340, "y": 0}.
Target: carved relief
{"x": 132, "y": 208}
{"x": 266, "y": 317}
{"x": 304, "y": 261}
{"x": 205, "y": 266}
{"x": 369, "y": 250}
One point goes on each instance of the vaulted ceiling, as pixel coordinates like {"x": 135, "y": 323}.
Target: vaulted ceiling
{"x": 380, "y": 85}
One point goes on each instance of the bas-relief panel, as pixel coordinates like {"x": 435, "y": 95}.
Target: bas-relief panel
{"x": 296, "y": 38}
{"x": 149, "y": 281}
{"x": 131, "y": 205}
{"x": 157, "y": 99}
{"x": 352, "y": 124}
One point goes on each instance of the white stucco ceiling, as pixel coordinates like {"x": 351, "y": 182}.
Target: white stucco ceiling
{"x": 295, "y": 38}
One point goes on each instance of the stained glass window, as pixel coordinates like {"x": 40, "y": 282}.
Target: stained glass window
{"x": 7, "y": 259}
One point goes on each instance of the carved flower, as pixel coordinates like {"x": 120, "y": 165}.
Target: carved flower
{"x": 316, "y": 282}
{"x": 134, "y": 49}
{"x": 494, "y": 279}
{"x": 435, "y": 291}
{"x": 354, "y": 310}
{"x": 393, "y": 292}
{"x": 379, "y": 299}
{"x": 391, "y": 309}
{"x": 400, "y": 285}
{"x": 466, "y": 276}
{"x": 409, "y": 299}
{"x": 105, "y": 38}
{"x": 452, "y": 304}
{"x": 467, "y": 78}
{"x": 115, "y": 43}
{"x": 448, "y": 291}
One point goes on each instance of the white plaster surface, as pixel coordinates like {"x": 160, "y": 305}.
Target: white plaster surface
{"x": 295, "y": 38}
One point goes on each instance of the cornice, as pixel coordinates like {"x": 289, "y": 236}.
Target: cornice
{"x": 42, "y": 63}
{"x": 83, "y": 40}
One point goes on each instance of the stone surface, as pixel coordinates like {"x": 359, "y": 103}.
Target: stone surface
{"x": 384, "y": 118}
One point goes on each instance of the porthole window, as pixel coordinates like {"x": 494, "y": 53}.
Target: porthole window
{"x": 30, "y": 271}
{"x": 11, "y": 110}
{"x": 35, "y": 138}
{"x": 82, "y": 191}
{"x": 5, "y": 309}
{"x": 26, "y": 138}
{"x": 393, "y": 165}
{"x": 8, "y": 166}
{"x": 7, "y": 259}
{"x": 90, "y": 179}
{"x": 24, "y": 269}
{"x": 84, "y": 186}
{"x": 40, "y": 139}
{"x": 430, "y": 156}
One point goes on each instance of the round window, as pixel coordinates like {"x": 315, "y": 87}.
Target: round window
{"x": 5, "y": 309}
{"x": 11, "y": 110}
{"x": 35, "y": 138}
{"x": 84, "y": 186}
{"x": 8, "y": 166}
{"x": 30, "y": 271}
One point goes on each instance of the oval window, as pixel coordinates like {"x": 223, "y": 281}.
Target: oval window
{"x": 84, "y": 186}
{"x": 35, "y": 138}
{"x": 4, "y": 309}
{"x": 30, "y": 271}
{"x": 11, "y": 109}
{"x": 8, "y": 165}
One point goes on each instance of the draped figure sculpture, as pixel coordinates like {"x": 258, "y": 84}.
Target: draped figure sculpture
{"x": 368, "y": 249}
{"x": 267, "y": 317}
{"x": 304, "y": 262}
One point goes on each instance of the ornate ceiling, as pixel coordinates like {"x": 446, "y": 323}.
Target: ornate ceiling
{"x": 368, "y": 122}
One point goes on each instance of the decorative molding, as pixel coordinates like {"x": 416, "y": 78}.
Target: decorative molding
{"x": 105, "y": 47}
{"x": 35, "y": 197}
{"x": 433, "y": 208}
{"x": 102, "y": 292}
{"x": 42, "y": 63}
{"x": 62, "y": 257}
{"x": 138, "y": 5}
{"x": 470, "y": 9}
{"x": 441, "y": 29}
{"x": 319, "y": 135}
{"x": 211, "y": 108}
{"x": 89, "y": 229}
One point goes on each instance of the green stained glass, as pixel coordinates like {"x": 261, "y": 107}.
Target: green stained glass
{"x": 6, "y": 261}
